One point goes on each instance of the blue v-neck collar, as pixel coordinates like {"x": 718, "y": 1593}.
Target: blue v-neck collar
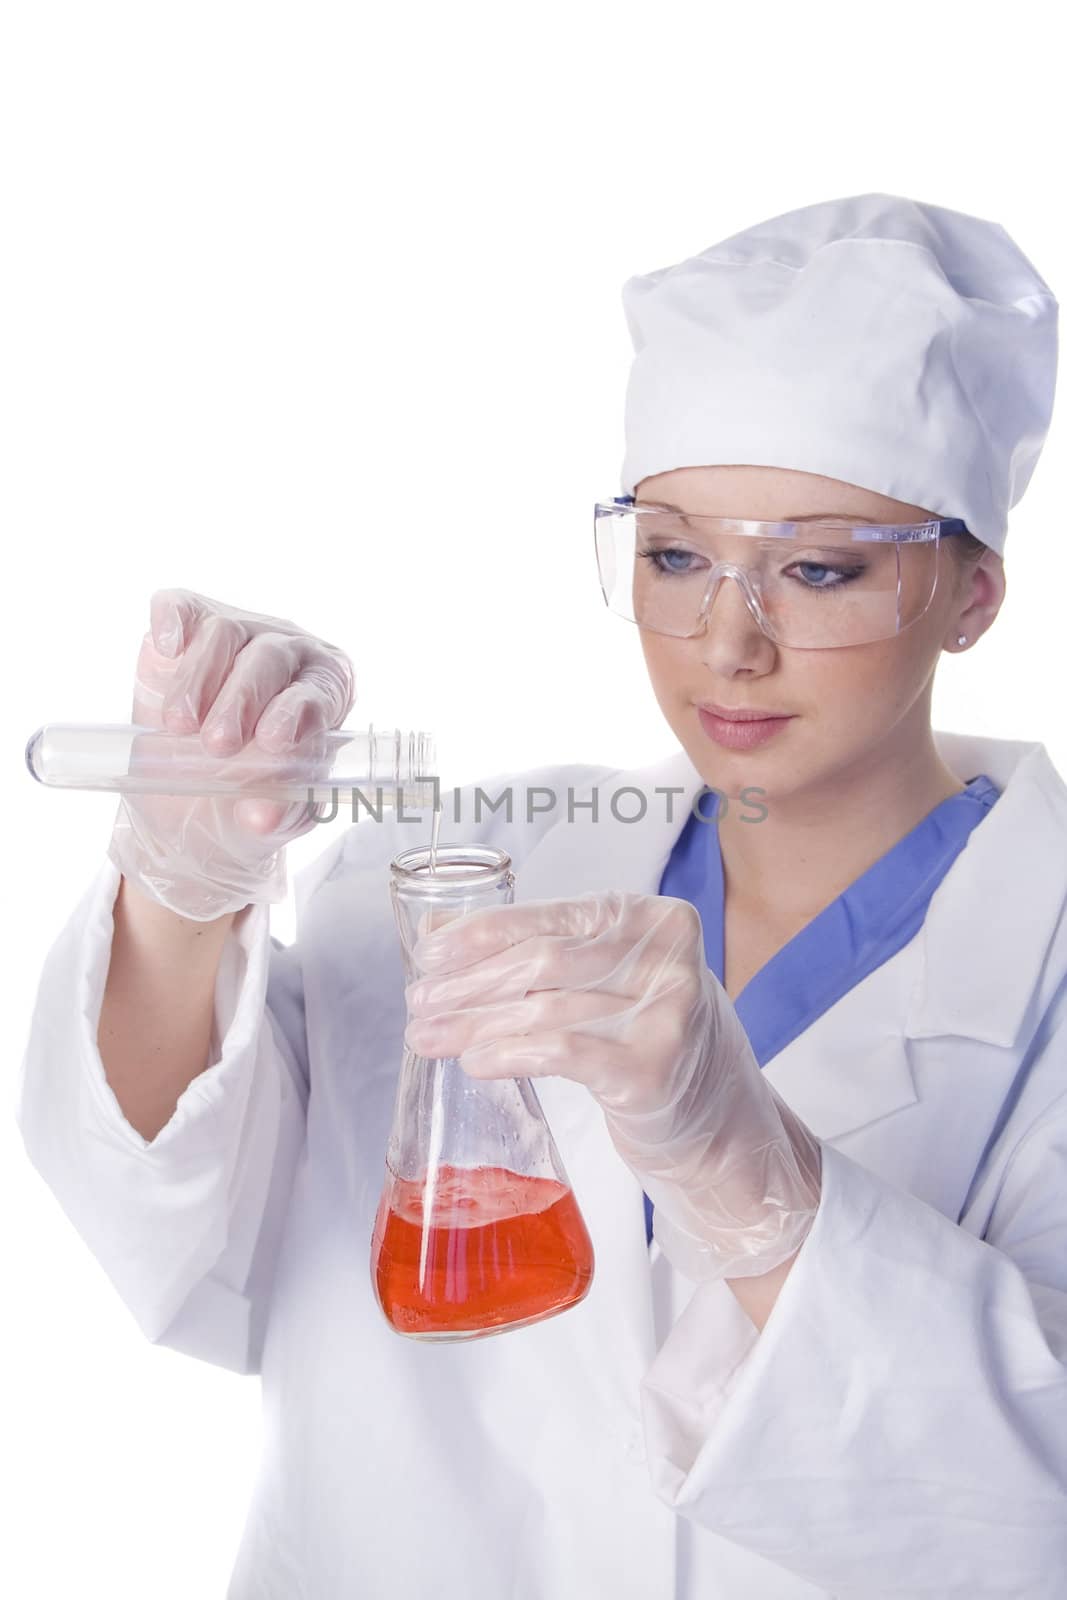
{"x": 873, "y": 918}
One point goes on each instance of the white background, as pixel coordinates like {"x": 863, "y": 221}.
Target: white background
{"x": 316, "y": 309}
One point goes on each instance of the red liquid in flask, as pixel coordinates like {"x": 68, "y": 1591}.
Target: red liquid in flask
{"x": 500, "y": 1250}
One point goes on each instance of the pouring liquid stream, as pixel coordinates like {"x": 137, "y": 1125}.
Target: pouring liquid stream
{"x": 435, "y": 831}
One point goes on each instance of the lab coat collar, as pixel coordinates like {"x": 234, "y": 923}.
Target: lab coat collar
{"x": 986, "y": 929}
{"x": 988, "y": 925}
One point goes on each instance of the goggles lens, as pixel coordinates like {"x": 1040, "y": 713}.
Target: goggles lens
{"x": 809, "y": 585}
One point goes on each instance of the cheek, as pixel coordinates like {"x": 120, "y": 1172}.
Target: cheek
{"x": 861, "y": 690}
{"x": 665, "y": 662}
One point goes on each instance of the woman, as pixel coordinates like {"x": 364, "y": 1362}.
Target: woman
{"x": 837, "y": 1367}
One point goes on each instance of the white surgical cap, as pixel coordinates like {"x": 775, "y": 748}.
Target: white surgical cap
{"x": 877, "y": 340}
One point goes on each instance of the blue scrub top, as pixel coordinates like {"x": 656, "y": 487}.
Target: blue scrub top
{"x": 874, "y": 918}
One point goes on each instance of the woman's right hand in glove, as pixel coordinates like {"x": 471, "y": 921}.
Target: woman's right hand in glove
{"x": 252, "y": 686}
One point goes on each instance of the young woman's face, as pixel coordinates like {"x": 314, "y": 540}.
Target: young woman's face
{"x": 851, "y": 708}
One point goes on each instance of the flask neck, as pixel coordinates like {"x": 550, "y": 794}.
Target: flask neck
{"x": 465, "y": 878}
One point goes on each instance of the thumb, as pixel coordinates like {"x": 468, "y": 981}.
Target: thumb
{"x": 260, "y": 816}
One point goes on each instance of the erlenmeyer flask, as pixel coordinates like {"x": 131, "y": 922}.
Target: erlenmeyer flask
{"x": 477, "y": 1230}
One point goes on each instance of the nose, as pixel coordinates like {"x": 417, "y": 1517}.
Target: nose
{"x": 732, "y": 634}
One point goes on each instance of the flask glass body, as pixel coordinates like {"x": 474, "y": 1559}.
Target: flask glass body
{"x": 478, "y": 1230}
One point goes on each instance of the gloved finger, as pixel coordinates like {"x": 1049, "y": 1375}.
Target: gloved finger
{"x": 260, "y": 816}
{"x": 490, "y": 929}
{"x": 152, "y": 677}
{"x": 283, "y": 818}
{"x": 206, "y": 663}
{"x": 477, "y": 935}
{"x": 175, "y": 614}
{"x": 262, "y": 668}
{"x": 452, "y": 1032}
{"x": 284, "y": 822}
{"x": 166, "y": 622}
{"x": 319, "y": 698}
{"x": 550, "y": 1054}
{"x": 541, "y": 963}
{"x": 641, "y": 950}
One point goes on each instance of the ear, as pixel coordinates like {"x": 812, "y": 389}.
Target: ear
{"x": 982, "y": 586}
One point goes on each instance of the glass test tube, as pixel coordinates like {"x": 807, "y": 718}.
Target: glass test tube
{"x": 386, "y": 766}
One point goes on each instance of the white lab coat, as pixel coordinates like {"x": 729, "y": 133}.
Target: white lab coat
{"x": 898, "y": 1429}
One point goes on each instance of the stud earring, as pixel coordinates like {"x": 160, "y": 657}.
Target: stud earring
{"x": 962, "y": 639}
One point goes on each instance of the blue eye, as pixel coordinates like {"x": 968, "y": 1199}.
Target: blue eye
{"x": 842, "y": 574}
{"x": 656, "y": 557}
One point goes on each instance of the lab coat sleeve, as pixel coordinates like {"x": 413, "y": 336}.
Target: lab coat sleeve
{"x": 186, "y": 1225}
{"x": 899, "y": 1427}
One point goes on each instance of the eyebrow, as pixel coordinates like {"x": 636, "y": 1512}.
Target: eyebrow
{"x": 808, "y": 516}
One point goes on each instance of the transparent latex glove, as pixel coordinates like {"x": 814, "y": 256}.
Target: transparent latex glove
{"x": 612, "y": 990}
{"x": 253, "y": 686}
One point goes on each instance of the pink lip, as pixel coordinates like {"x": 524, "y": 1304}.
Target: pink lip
{"x": 740, "y": 733}
{"x": 725, "y": 714}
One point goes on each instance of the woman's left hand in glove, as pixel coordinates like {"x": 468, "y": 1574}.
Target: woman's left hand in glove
{"x": 612, "y": 990}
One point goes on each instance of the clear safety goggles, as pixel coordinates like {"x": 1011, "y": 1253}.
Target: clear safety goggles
{"x": 809, "y": 584}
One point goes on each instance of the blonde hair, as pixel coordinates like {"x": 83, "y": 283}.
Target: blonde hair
{"x": 968, "y": 547}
